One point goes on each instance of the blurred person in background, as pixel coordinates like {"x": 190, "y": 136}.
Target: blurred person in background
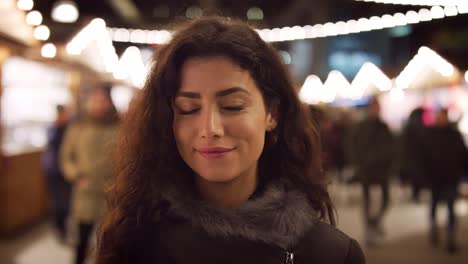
{"x": 333, "y": 137}
{"x": 445, "y": 157}
{"x": 86, "y": 162}
{"x": 412, "y": 141}
{"x": 219, "y": 161}
{"x": 373, "y": 148}
{"x": 58, "y": 187}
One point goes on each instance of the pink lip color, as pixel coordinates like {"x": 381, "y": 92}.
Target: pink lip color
{"x": 214, "y": 153}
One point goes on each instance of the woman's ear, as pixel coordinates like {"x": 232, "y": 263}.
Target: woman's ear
{"x": 271, "y": 121}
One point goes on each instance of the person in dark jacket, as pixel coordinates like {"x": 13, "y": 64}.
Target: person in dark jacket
{"x": 58, "y": 188}
{"x": 412, "y": 141}
{"x": 373, "y": 150}
{"x": 219, "y": 162}
{"x": 445, "y": 156}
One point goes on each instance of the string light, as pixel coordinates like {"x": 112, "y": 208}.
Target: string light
{"x": 419, "y": 2}
{"x": 25, "y": 5}
{"x": 48, "y": 50}
{"x": 312, "y": 31}
{"x": 336, "y": 85}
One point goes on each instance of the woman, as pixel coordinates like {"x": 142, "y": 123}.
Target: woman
{"x": 219, "y": 162}
{"x": 86, "y": 163}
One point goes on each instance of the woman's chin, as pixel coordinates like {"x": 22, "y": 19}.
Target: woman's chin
{"x": 216, "y": 177}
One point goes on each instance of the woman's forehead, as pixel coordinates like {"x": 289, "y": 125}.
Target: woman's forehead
{"x": 214, "y": 74}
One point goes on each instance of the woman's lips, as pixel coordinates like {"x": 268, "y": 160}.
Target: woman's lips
{"x": 214, "y": 152}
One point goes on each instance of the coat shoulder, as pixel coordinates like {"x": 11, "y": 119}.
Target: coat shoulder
{"x": 327, "y": 244}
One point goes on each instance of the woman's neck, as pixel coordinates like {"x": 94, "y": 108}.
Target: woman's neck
{"x": 230, "y": 194}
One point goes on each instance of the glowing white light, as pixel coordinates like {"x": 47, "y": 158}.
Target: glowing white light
{"x": 400, "y": 19}
{"x": 330, "y": 29}
{"x": 275, "y": 34}
{"x": 336, "y": 84}
{"x": 265, "y": 34}
{"x": 311, "y": 90}
{"x": 437, "y": 12}
{"x": 34, "y": 18}
{"x": 447, "y": 70}
{"x": 463, "y": 124}
{"x": 379, "y": 79}
{"x": 319, "y": 30}
{"x": 412, "y": 17}
{"x": 165, "y": 36}
{"x": 121, "y": 96}
{"x": 42, "y": 32}
{"x": 462, "y": 9}
{"x": 461, "y": 208}
{"x": 25, "y": 4}
{"x": 376, "y": 22}
{"x": 425, "y": 58}
{"x": 397, "y": 95}
{"x": 364, "y": 24}
{"x": 153, "y": 37}
{"x": 342, "y": 28}
{"x": 298, "y": 32}
{"x": 286, "y": 33}
{"x": 437, "y": 62}
{"x": 121, "y": 35}
{"x": 131, "y": 66}
{"x": 369, "y": 75}
{"x": 120, "y": 72}
{"x": 466, "y": 76}
{"x": 310, "y": 31}
{"x": 48, "y": 50}
{"x": 420, "y": 2}
{"x": 65, "y": 11}
{"x": 96, "y": 33}
{"x": 73, "y": 49}
{"x": 425, "y": 15}
{"x": 138, "y": 36}
{"x": 450, "y": 11}
{"x": 255, "y": 13}
{"x": 353, "y": 26}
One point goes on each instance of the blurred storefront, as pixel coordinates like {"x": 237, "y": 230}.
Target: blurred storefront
{"x": 34, "y": 79}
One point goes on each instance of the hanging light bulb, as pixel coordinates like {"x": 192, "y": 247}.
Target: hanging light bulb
{"x": 65, "y": 11}
{"x": 42, "y": 32}
{"x": 48, "y": 50}
{"x": 34, "y": 18}
{"x": 25, "y": 4}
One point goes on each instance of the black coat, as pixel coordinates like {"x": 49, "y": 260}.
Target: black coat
{"x": 277, "y": 225}
{"x": 372, "y": 150}
{"x": 445, "y": 156}
{"x": 179, "y": 243}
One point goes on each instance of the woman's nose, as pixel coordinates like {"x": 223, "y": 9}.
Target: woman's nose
{"x": 211, "y": 124}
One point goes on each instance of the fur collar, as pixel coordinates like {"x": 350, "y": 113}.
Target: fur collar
{"x": 280, "y": 215}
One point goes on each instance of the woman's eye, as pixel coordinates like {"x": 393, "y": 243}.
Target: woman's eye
{"x": 233, "y": 108}
{"x": 187, "y": 112}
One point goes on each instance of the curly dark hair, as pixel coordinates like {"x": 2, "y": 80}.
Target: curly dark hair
{"x": 147, "y": 157}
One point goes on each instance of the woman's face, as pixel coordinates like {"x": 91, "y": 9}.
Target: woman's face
{"x": 98, "y": 104}
{"x": 220, "y": 119}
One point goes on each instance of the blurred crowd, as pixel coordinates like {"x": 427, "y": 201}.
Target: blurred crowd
{"x": 429, "y": 153}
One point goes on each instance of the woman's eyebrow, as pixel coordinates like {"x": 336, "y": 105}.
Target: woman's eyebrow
{"x": 231, "y": 90}
{"x": 189, "y": 95}
{"x": 222, "y": 93}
